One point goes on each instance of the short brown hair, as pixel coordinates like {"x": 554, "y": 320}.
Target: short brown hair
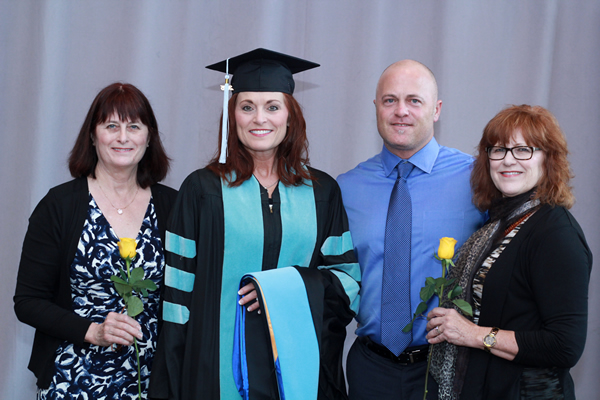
{"x": 540, "y": 129}
{"x": 130, "y": 104}
{"x": 291, "y": 156}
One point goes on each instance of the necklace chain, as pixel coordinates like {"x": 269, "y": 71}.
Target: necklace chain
{"x": 119, "y": 210}
{"x": 267, "y": 187}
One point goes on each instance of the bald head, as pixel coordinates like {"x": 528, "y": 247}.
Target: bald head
{"x": 412, "y": 67}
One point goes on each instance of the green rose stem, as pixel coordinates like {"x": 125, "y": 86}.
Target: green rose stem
{"x": 444, "y": 269}
{"x": 137, "y": 351}
{"x": 436, "y": 287}
{"x": 130, "y": 281}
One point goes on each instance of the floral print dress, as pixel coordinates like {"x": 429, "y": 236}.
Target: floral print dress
{"x": 103, "y": 373}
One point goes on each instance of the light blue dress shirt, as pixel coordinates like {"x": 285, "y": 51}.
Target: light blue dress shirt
{"x": 441, "y": 206}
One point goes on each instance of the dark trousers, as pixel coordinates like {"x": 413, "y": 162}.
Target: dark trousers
{"x": 373, "y": 377}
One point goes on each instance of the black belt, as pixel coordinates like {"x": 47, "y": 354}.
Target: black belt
{"x": 409, "y": 356}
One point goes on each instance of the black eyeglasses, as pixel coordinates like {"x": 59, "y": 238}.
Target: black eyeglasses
{"x": 497, "y": 153}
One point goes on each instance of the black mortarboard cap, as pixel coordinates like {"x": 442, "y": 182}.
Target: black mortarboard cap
{"x": 263, "y": 70}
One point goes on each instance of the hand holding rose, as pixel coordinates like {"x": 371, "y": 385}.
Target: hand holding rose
{"x": 116, "y": 329}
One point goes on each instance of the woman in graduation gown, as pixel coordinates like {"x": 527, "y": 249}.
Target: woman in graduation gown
{"x": 259, "y": 209}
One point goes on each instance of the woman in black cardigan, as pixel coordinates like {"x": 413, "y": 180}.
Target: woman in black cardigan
{"x": 83, "y": 337}
{"x": 526, "y": 272}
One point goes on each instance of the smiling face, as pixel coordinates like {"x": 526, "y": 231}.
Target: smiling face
{"x": 406, "y": 105}
{"x": 514, "y": 177}
{"x": 120, "y": 144}
{"x": 261, "y": 119}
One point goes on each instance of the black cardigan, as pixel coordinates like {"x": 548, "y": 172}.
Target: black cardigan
{"x": 43, "y": 293}
{"x": 537, "y": 288}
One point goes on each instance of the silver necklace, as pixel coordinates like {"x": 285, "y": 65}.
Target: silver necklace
{"x": 119, "y": 209}
{"x": 267, "y": 187}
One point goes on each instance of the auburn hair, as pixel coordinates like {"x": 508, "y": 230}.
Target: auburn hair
{"x": 539, "y": 129}
{"x": 130, "y": 104}
{"x": 290, "y": 159}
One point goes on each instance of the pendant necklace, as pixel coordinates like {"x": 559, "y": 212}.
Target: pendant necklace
{"x": 267, "y": 189}
{"x": 119, "y": 209}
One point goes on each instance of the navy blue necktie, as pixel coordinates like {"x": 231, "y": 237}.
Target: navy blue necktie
{"x": 395, "y": 292}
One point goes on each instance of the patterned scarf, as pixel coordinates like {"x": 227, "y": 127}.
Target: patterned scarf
{"x": 449, "y": 362}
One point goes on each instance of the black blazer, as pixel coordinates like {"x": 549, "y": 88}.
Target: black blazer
{"x": 538, "y": 288}
{"x": 43, "y": 294}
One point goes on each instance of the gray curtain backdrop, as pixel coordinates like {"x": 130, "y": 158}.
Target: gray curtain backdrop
{"x": 56, "y": 55}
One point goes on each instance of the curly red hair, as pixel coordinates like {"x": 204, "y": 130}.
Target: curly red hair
{"x": 539, "y": 129}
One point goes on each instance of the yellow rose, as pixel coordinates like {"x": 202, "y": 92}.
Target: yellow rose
{"x": 127, "y": 248}
{"x": 446, "y": 249}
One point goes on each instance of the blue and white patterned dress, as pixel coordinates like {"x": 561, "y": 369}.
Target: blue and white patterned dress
{"x": 103, "y": 373}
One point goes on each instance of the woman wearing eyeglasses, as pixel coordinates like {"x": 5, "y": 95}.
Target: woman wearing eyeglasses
{"x": 526, "y": 272}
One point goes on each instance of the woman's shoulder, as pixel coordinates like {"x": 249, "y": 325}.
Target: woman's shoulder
{"x": 163, "y": 190}
{"x": 201, "y": 181}
{"x": 62, "y": 203}
{"x": 72, "y": 189}
{"x": 324, "y": 184}
{"x": 557, "y": 225}
{"x": 555, "y": 216}
{"x": 163, "y": 197}
{"x": 65, "y": 188}
{"x": 321, "y": 176}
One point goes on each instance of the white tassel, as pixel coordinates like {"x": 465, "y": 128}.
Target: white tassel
{"x": 225, "y": 124}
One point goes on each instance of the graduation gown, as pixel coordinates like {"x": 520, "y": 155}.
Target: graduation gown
{"x": 216, "y": 234}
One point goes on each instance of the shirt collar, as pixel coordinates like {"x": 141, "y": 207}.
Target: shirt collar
{"x": 422, "y": 159}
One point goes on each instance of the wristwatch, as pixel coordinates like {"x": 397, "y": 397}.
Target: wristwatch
{"x": 489, "y": 340}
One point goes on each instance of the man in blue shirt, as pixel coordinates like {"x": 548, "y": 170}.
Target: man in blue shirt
{"x": 407, "y": 106}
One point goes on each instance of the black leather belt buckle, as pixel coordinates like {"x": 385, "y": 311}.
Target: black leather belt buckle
{"x": 416, "y": 355}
